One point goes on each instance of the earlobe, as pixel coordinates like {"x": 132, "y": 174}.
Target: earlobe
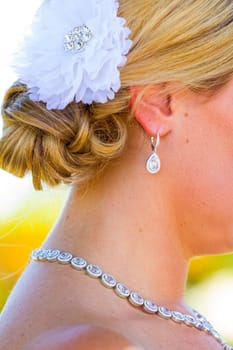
{"x": 152, "y": 110}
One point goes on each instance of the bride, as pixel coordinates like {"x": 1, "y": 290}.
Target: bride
{"x": 131, "y": 105}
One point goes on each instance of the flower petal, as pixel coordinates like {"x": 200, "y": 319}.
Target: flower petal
{"x": 92, "y": 74}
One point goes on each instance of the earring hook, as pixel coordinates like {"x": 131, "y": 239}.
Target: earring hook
{"x": 155, "y": 144}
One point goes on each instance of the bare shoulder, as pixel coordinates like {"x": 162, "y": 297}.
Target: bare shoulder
{"x": 86, "y": 337}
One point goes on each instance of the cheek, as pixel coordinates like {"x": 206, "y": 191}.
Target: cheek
{"x": 207, "y": 144}
{"x": 205, "y": 169}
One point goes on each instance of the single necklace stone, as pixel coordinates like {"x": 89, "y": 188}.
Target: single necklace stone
{"x": 190, "y": 320}
{"x": 197, "y": 321}
{"x": 150, "y": 307}
{"x": 136, "y": 299}
{"x": 93, "y": 271}
{"x": 164, "y": 312}
{"x": 178, "y": 316}
{"x": 122, "y": 291}
{"x": 108, "y": 280}
{"x": 78, "y": 263}
{"x": 64, "y": 257}
{"x": 53, "y": 254}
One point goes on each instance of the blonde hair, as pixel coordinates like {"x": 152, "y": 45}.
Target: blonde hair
{"x": 184, "y": 41}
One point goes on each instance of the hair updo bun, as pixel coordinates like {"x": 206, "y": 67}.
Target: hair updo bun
{"x": 68, "y": 146}
{"x": 189, "y": 42}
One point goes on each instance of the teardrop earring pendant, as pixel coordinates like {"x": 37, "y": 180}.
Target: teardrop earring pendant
{"x": 153, "y": 163}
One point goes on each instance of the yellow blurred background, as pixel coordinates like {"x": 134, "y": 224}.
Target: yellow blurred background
{"x": 26, "y": 216}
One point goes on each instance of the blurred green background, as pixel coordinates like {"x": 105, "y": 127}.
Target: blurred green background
{"x": 27, "y": 216}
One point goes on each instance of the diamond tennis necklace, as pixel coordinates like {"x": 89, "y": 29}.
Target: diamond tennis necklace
{"x": 66, "y": 258}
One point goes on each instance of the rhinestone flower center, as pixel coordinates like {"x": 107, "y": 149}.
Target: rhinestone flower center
{"x": 77, "y": 39}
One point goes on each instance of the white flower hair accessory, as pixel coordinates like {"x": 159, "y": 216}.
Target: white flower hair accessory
{"x": 74, "y": 52}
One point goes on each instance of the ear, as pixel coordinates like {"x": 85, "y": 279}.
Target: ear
{"x": 152, "y": 109}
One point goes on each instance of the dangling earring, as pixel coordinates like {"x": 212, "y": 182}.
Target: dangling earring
{"x": 153, "y": 163}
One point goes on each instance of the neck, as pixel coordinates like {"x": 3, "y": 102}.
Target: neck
{"x": 139, "y": 250}
{"x": 130, "y": 229}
